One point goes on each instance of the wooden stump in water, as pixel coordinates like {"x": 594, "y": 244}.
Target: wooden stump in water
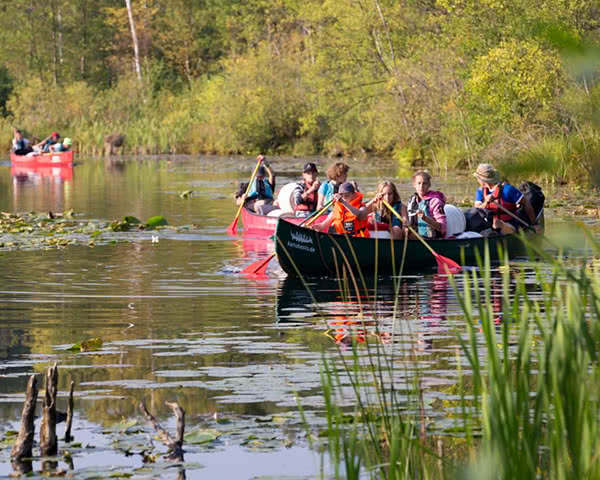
{"x": 68, "y": 436}
{"x": 175, "y": 445}
{"x": 24, "y": 445}
{"x": 48, "y": 440}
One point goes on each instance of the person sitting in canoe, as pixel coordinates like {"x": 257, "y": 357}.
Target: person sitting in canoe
{"x": 336, "y": 175}
{"x": 260, "y": 197}
{"x": 65, "y": 146}
{"x": 20, "y": 145}
{"x": 498, "y": 197}
{"x": 426, "y": 208}
{"x": 305, "y": 193}
{"x": 44, "y": 145}
{"x": 349, "y": 215}
{"x": 387, "y": 191}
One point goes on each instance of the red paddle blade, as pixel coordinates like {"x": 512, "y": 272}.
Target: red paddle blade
{"x": 232, "y": 229}
{"x": 258, "y": 268}
{"x": 447, "y": 265}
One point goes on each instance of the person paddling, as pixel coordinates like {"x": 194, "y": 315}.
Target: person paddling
{"x": 44, "y": 145}
{"x": 65, "y": 146}
{"x": 260, "y": 197}
{"x": 493, "y": 192}
{"x": 349, "y": 215}
{"x": 20, "y": 145}
{"x": 387, "y": 191}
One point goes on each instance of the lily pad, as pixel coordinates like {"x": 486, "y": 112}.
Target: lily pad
{"x": 91, "y": 345}
{"x": 196, "y": 437}
{"x": 157, "y": 221}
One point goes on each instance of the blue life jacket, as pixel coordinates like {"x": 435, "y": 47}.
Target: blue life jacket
{"x": 414, "y": 205}
{"x": 261, "y": 190}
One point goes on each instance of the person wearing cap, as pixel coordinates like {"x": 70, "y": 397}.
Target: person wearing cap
{"x": 349, "y": 215}
{"x": 20, "y": 145}
{"x": 44, "y": 145}
{"x": 65, "y": 146}
{"x": 336, "y": 175}
{"x": 260, "y": 197}
{"x": 305, "y": 194}
{"x": 493, "y": 192}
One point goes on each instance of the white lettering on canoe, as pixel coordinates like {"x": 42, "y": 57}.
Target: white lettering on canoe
{"x": 297, "y": 246}
{"x": 301, "y": 237}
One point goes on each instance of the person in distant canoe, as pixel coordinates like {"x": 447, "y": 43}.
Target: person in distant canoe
{"x": 349, "y": 215}
{"x": 65, "y": 146}
{"x": 305, "y": 194}
{"x": 336, "y": 175}
{"x": 426, "y": 208}
{"x": 20, "y": 145}
{"x": 44, "y": 145}
{"x": 493, "y": 192}
{"x": 260, "y": 198}
{"x": 387, "y": 191}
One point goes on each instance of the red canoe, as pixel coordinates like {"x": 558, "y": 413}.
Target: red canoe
{"x": 263, "y": 225}
{"x": 59, "y": 159}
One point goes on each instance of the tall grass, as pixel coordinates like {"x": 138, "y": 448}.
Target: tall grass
{"x": 530, "y": 403}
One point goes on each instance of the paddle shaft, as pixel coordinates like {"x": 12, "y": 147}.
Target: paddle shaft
{"x": 511, "y": 214}
{"x": 246, "y": 193}
{"x": 412, "y": 230}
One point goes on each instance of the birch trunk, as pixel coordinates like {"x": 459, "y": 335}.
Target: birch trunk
{"x": 136, "y": 49}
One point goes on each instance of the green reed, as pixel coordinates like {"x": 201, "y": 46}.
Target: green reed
{"x": 529, "y": 405}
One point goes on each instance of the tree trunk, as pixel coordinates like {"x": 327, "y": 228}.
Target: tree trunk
{"x": 136, "y": 50}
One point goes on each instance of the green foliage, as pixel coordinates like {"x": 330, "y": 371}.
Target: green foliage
{"x": 516, "y": 79}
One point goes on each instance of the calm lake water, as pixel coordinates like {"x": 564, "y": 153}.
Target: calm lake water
{"x": 178, "y": 323}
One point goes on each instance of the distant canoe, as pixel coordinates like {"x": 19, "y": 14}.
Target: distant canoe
{"x": 315, "y": 254}
{"x": 55, "y": 159}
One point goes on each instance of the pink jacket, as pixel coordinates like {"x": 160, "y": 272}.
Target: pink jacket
{"x": 436, "y": 205}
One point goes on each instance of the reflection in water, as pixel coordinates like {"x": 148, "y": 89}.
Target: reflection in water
{"x": 176, "y": 327}
{"x": 52, "y": 186}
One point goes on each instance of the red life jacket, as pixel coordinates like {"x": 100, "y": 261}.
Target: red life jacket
{"x": 310, "y": 204}
{"x": 497, "y": 196}
{"x": 346, "y": 222}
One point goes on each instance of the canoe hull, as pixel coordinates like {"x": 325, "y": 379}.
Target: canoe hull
{"x": 305, "y": 252}
{"x": 263, "y": 225}
{"x": 59, "y": 159}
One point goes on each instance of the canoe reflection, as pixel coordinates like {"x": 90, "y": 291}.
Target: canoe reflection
{"x": 419, "y": 310}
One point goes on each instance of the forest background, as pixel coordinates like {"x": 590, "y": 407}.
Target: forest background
{"x": 441, "y": 83}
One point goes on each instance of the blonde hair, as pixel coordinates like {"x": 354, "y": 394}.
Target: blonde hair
{"x": 384, "y": 213}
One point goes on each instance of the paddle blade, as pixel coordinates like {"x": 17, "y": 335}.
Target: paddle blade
{"x": 259, "y": 267}
{"x": 232, "y": 229}
{"x": 447, "y": 265}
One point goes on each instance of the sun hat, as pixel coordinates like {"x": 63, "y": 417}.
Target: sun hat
{"x": 346, "y": 187}
{"x": 487, "y": 173}
{"x": 67, "y": 141}
{"x": 310, "y": 167}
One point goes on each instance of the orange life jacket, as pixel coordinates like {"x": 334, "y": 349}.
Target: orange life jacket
{"x": 346, "y": 222}
{"x": 497, "y": 196}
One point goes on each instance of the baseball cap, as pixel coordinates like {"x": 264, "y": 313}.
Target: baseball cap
{"x": 346, "y": 187}
{"x": 310, "y": 167}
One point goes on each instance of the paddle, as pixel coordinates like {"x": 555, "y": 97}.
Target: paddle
{"x": 233, "y": 227}
{"x": 511, "y": 214}
{"x": 444, "y": 264}
{"x": 260, "y": 267}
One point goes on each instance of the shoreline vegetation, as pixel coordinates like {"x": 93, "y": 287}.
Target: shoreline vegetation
{"x": 441, "y": 83}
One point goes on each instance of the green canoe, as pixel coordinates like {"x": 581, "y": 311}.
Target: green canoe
{"x": 315, "y": 254}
